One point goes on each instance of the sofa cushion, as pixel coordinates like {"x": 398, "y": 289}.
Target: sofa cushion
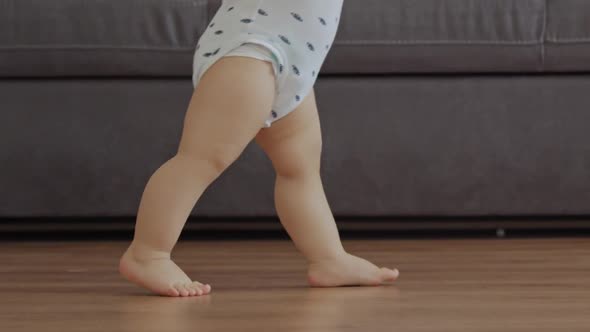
{"x": 99, "y": 37}
{"x": 157, "y": 37}
{"x": 408, "y": 36}
{"x": 567, "y": 40}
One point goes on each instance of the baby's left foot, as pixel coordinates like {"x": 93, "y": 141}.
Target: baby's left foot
{"x": 348, "y": 270}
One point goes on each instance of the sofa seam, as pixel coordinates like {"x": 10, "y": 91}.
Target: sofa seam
{"x": 447, "y": 41}
{"x": 567, "y": 40}
{"x": 95, "y": 47}
{"x": 543, "y": 36}
{"x": 342, "y": 42}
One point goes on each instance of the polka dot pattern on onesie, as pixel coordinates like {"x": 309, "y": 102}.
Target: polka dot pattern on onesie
{"x": 299, "y": 34}
{"x": 297, "y": 17}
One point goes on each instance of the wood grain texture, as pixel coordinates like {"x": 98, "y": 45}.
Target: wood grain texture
{"x": 445, "y": 285}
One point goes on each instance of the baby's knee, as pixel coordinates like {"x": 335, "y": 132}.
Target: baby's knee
{"x": 298, "y": 159}
{"x": 212, "y": 160}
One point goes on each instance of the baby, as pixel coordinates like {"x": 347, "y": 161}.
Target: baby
{"x": 255, "y": 64}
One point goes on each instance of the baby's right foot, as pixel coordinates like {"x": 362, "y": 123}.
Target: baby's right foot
{"x": 348, "y": 270}
{"x": 159, "y": 274}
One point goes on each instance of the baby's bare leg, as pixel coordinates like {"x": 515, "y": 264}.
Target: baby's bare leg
{"x": 227, "y": 109}
{"x": 294, "y": 145}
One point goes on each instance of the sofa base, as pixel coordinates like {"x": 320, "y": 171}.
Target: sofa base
{"x": 394, "y": 145}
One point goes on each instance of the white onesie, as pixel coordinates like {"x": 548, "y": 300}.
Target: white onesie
{"x": 297, "y": 34}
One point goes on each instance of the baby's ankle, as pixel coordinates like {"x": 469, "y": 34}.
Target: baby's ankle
{"x": 143, "y": 252}
{"x": 328, "y": 258}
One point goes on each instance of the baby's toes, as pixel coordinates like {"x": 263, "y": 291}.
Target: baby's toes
{"x": 190, "y": 288}
{"x": 205, "y": 289}
{"x": 388, "y": 274}
{"x": 197, "y": 287}
{"x": 172, "y": 291}
{"x": 181, "y": 289}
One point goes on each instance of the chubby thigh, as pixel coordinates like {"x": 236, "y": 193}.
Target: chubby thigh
{"x": 228, "y": 108}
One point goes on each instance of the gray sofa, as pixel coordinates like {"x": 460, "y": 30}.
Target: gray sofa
{"x": 451, "y": 108}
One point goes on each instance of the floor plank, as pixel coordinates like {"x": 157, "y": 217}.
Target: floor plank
{"x": 445, "y": 285}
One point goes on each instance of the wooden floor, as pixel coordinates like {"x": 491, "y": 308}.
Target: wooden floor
{"x": 445, "y": 285}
